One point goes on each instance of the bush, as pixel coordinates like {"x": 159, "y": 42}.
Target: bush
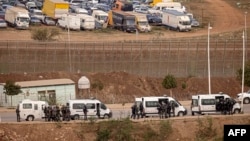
{"x": 44, "y": 34}
{"x": 165, "y": 129}
{"x": 169, "y": 82}
{"x": 205, "y": 129}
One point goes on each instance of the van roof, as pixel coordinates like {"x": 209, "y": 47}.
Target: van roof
{"x": 84, "y": 100}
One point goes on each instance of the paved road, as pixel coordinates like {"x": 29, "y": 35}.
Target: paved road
{"x": 10, "y": 116}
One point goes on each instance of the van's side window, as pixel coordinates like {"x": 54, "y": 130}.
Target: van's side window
{"x": 27, "y": 106}
{"x": 90, "y": 105}
{"x": 78, "y": 106}
{"x": 151, "y": 103}
{"x": 36, "y": 107}
{"x": 208, "y": 101}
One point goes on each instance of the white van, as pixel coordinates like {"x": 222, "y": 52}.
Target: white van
{"x": 76, "y": 108}
{"x": 150, "y": 105}
{"x": 87, "y": 22}
{"x": 206, "y": 104}
{"x": 69, "y": 21}
{"x": 31, "y": 110}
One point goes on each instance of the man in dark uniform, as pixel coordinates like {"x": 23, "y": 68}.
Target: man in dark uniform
{"x": 18, "y": 114}
{"x": 85, "y": 111}
{"x": 141, "y": 110}
{"x": 98, "y": 112}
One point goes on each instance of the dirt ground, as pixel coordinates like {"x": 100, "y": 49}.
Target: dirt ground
{"x": 120, "y": 87}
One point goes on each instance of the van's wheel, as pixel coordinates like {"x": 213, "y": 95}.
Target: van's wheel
{"x": 246, "y": 101}
{"x": 105, "y": 116}
{"x": 76, "y": 117}
{"x": 236, "y": 111}
{"x": 180, "y": 114}
{"x": 30, "y": 118}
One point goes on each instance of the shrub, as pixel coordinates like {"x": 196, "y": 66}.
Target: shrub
{"x": 169, "y": 82}
{"x": 165, "y": 130}
{"x": 205, "y": 129}
{"x": 44, "y": 34}
{"x": 103, "y": 135}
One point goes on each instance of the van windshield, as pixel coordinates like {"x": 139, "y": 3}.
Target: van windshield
{"x": 130, "y": 22}
{"x": 178, "y": 102}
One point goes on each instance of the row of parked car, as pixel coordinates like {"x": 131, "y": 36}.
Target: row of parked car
{"x": 86, "y": 7}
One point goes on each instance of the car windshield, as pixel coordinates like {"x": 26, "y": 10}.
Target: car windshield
{"x": 22, "y": 19}
{"x": 49, "y": 19}
{"x": 103, "y": 18}
{"x": 130, "y": 22}
{"x": 143, "y": 23}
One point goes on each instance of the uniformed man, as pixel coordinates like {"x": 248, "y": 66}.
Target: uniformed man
{"x": 18, "y": 114}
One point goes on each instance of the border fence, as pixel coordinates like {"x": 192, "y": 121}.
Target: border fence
{"x": 154, "y": 58}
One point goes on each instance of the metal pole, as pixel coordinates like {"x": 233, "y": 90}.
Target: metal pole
{"x": 69, "y": 45}
{"x": 243, "y": 71}
{"x": 246, "y": 30}
{"x": 208, "y": 58}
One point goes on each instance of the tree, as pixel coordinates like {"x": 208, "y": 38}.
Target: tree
{"x": 169, "y": 82}
{"x": 11, "y": 89}
{"x": 246, "y": 74}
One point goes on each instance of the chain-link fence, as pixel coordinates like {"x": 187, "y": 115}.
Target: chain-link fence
{"x": 154, "y": 58}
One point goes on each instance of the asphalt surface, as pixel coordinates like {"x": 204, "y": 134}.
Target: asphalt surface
{"x": 9, "y": 115}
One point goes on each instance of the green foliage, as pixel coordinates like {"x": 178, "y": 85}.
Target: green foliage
{"x": 166, "y": 129}
{"x": 205, "y": 129}
{"x": 246, "y": 74}
{"x": 103, "y": 135}
{"x": 150, "y": 134}
{"x": 169, "y": 82}
{"x": 97, "y": 85}
{"x": 11, "y": 89}
{"x": 184, "y": 85}
{"x": 123, "y": 130}
{"x": 44, "y": 34}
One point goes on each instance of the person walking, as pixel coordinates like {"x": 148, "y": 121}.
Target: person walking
{"x": 18, "y": 114}
{"x": 98, "y": 112}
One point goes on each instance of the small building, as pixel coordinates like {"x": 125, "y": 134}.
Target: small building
{"x": 54, "y": 91}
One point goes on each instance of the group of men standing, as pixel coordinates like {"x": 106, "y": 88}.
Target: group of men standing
{"x": 225, "y": 106}
{"x": 54, "y": 113}
{"x": 164, "y": 109}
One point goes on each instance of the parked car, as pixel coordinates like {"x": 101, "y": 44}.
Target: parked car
{"x": 154, "y": 19}
{"x": 2, "y": 14}
{"x": 3, "y": 23}
{"x": 141, "y": 9}
{"x": 48, "y": 21}
{"x": 35, "y": 21}
{"x": 37, "y": 13}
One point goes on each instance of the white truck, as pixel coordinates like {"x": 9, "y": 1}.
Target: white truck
{"x": 69, "y": 21}
{"x": 17, "y": 17}
{"x": 76, "y": 108}
{"x": 101, "y": 18}
{"x": 87, "y": 22}
{"x": 176, "y": 20}
{"x": 31, "y": 110}
{"x": 141, "y": 20}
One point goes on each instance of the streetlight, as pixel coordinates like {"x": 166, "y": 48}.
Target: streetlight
{"x": 69, "y": 43}
{"x": 243, "y": 71}
{"x": 246, "y": 29}
{"x": 208, "y": 58}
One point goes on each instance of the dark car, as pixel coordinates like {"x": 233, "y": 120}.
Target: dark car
{"x": 154, "y": 19}
{"x": 2, "y": 14}
{"x": 35, "y": 21}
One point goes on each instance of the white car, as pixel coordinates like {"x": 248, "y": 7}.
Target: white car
{"x": 245, "y": 97}
{"x": 37, "y": 13}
